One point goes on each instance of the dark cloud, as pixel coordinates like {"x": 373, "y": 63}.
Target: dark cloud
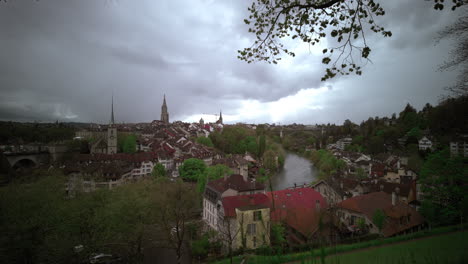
{"x": 64, "y": 59}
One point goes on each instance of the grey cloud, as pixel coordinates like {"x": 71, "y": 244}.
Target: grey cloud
{"x": 62, "y": 59}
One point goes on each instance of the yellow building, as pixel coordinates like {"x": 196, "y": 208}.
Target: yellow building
{"x": 245, "y": 221}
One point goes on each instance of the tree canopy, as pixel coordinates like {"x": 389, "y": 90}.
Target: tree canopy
{"x": 159, "y": 170}
{"x": 235, "y": 140}
{"x": 205, "y": 141}
{"x": 192, "y": 169}
{"x": 444, "y": 185}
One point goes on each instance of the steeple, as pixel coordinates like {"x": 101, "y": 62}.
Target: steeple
{"x": 164, "y": 113}
{"x": 220, "y": 117}
{"x": 112, "y": 111}
{"x": 112, "y": 132}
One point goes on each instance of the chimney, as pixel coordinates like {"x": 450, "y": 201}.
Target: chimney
{"x": 393, "y": 198}
{"x": 398, "y": 164}
{"x": 225, "y": 176}
{"x": 341, "y": 184}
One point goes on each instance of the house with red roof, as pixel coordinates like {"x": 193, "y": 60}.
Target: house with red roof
{"x": 400, "y": 218}
{"x": 232, "y": 185}
{"x": 300, "y": 211}
{"x": 245, "y": 221}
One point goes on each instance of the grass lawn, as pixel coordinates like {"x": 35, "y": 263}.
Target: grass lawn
{"x": 451, "y": 248}
{"x": 447, "y": 248}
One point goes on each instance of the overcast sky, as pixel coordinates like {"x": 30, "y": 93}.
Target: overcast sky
{"x": 62, "y": 60}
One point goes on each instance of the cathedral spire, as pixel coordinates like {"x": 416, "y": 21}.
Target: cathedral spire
{"x": 220, "y": 121}
{"x": 112, "y": 110}
{"x": 164, "y": 113}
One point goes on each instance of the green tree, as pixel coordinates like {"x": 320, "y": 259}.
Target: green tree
{"x": 415, "y": 162}
{"x": 176, "y": 203}
{"x": 379, "y": 219}
{"x": 129, "y": 144}
{"x": 261, "y": 146}
{"x": 30, "y": 214}
{"x": 159, "y": 170}
{"x": 360, "y": 173}
{"x": 376, "y": 145}
{"x": 130, "y": 216}
{"x": 201, "y": 246}
{"x": 205, "y": 141}
{"x": 217, "y": 171}
{"x": 278, "y": 236}
{"x": 191, "y": 169}
{"x": 212, "y": 173}
{"x": 444, "y": 185}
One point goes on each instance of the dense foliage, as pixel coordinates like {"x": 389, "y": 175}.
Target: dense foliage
{"x": 326, "y": 163}
{"x": 159, "y": 171}
{"x": 445, "y": 188}
{"x": 235, "y": 140}
{"x": 39, "y": 224}
{"x": 192, "y": 169}
{"x": 205, "y": 141}
{"x": 127, "y": 143}
{"x": 12, "y": 132}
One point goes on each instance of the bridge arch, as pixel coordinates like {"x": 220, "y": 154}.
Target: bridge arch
{"x": 24, "y": 163}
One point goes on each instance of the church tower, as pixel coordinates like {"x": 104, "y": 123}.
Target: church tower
{"x": 220, "y": 120}
{"x": 164, "y": 113}
{"x": 202, "y": 123}
{"x": 112, "y": 133}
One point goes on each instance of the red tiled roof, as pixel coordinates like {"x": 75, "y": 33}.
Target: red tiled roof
{"x": 297, "y": 208}
{"x": 378, "y": 169}
{"x": 367, "y": 204}
{"x": 134, "y": 157}
{"x": 230, "y": 203}
{"x": 236, "y": 182}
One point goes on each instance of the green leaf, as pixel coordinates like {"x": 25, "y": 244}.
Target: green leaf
{"x": 326, "y": 60}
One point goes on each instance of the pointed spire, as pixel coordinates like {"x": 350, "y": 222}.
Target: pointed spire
{"x": 112, "y": 109}
{"x": 164, "y": 100}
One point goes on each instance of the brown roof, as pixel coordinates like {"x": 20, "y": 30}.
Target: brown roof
{"x": 389, "y": 187}
{"x": 235, "y": 182}
{"x": 369, "y": 203}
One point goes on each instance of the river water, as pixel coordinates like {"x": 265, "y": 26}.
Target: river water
{"x": 297, "y": 170}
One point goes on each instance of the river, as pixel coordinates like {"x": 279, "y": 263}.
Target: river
{"x": 297, "y": 170}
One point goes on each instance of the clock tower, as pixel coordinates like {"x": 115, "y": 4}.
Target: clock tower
{"x": 112, "y": 133}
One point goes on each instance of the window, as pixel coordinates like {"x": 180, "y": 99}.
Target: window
{"x": 353, "y": 220}
{"x": 257, "y": 215}
{"x": 254, "y": 242}
{"x": 251, "y": 229}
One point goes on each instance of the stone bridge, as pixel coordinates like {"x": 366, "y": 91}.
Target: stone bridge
{"x": 27, "y": 159}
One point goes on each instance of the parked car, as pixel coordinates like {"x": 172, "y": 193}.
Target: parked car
{"x": 104, "y": 258}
